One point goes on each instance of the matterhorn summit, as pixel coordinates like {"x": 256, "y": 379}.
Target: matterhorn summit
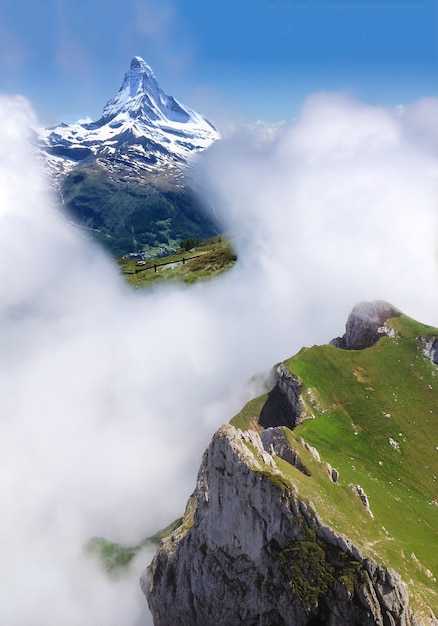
{"x": 138, "y": 157}
{"x": 140, "y": 96}
{"x": 141, "y": 118}
{"x": 143, "y": 105}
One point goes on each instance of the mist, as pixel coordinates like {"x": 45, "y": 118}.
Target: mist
{"x": 109, "y": 396}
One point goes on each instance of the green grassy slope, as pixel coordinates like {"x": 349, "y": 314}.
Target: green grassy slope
{"x": 357, "y": 402}
{"x": 206, "y": 260}
{"x": 128, "y": 215}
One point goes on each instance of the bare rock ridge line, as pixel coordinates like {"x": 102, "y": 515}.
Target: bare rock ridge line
{"x": 237, "y": 557}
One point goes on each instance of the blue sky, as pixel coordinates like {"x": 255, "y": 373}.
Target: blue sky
{"x": 253, "y": 59}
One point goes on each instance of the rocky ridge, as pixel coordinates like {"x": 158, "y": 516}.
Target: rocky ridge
{"x": 250, "y": 552}
{"x": 253, "y": 550}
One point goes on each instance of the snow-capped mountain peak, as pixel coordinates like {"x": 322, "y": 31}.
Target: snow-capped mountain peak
{"x": 141, "y": 120}
{"x": 141, "y": 96}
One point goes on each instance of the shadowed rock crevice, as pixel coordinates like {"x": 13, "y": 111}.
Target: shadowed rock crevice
{"x": 283, "y": 406}
{"x": 276, "y": 443}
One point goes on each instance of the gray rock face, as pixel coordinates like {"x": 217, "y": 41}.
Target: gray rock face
{"x": 283, "y": 406}
{"x": 275, "y": 442}
{"x": 250, "y": 553}
{"x": 358, "y": 490}
{"x": 365, "y": 325}
{"x": 333, "y": 473}
{"x": 430, "y": 348}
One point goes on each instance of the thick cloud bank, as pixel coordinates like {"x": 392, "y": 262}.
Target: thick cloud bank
{"x": 340, "y": 207}
{"x": 108, "y": 396}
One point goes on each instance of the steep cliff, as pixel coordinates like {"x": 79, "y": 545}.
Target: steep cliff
{"x": 250, "y": 552}
{"x": 299, "y": 522}
{"x": 283, "y": 406}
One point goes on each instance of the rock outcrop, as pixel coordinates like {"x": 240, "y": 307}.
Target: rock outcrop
{"x": 430, "y": 348}
{"x": 357, "y": 489}
{"x": 275, "y": 442}
{"x": 365, "y": 325}
{"x": 249, "y": 552}
{"x": 283, "y": 406}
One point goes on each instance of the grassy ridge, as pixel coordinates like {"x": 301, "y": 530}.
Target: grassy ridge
{"x": 376, "y": 422}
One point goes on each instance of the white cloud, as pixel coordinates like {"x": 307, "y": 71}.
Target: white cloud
{"x": 155, "y": 20}
{"x": 85, "y": 120}
{"x": 109, "y": 396}
{"x": 342, "y": 205}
